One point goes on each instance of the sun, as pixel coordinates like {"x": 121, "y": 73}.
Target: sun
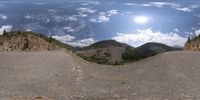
{"x": 141, "y": 19}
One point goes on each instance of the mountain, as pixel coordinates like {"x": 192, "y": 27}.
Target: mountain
{"x": 113, "y": 52}
{"x": 104, "y": 52}
{"x": 151, "y": 48}
{"x": 106, "y": 44}
{"x": 193, "y": 44}
{"x": 146, "y": 50}
{"x": 29, "y": 41}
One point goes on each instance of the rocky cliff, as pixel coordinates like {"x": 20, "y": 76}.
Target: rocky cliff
{"x": 193, "y": 44}
{"x": 25, "y": 41}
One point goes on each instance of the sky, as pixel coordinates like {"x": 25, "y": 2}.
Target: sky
{"x": 83, "y": 22}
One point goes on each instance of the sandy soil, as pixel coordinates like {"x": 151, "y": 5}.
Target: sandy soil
{"x": 58, "y": 75}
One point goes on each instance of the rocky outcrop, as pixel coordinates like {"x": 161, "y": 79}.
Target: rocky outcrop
{"x": 25, "y": 41}
{"x": 193, "y": 45}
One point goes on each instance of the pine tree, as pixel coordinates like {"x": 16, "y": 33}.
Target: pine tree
{"x": 4, "y": 32}
{"x": 189, "y": 40}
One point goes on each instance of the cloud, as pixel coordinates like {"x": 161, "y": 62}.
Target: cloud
{"x": 195, "y": 6}
{"x": 52, "y": 10}
{"x": 103, "y": 17}
{"x": 68, "y": 29}
{"x": 6, "y": 27}
{"x": 34, "y": 26}
{"x": 64, "y": 39}
{"x": 82, "y": 42}
{"x": 185, "y": 9}
{"x": 3, "y": 16}
{"x": 82, "y": 14}
{"x": 92, "y": 3}
{"x": 148, "y": 35}
{"x": 100, "y": 19}
{"x": 197, "y": 32}
{"x": 28, "y": 16}
{"x": 162, "y": 4}
{"x": 40, "y": 3}
{"x": 68, "y": 39}
{"x": 176, "y": 30}
{"x": 86, "y": 10}
{"x": 112, "y": 12}
{"x": 72, "y": 18}
{"x": 130, "y": 4}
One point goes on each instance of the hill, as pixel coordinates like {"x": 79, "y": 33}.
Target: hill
{"x": 193, "y": 44}
{"x": 151, "y": 48}
{"x": 29, "y": 41}
{"x": 57, "y": 75}
{"x": 104, "y": 52}
{"x": 113, "y": 52}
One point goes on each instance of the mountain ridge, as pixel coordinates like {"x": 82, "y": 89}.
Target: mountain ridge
{"x": 102, "y": 52}
{"x": 125, "y": 53}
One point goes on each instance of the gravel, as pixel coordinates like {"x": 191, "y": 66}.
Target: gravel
{"x": 57, "y": 75}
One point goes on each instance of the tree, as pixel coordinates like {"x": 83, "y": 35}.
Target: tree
{"x": 4, "y": 31}
{"x": 189, "y": 40}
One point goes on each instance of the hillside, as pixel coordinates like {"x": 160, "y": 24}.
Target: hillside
{"x": 193, "y": 44}
{"x": 104, "y": 52}
{"x": 152, "y": 48}
{"x": 61, "y": 76}
{"x": 28, "y": 41}
{"x": 113, "y": 52}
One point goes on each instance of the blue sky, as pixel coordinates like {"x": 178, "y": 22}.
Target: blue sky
{"x": 83, "y": 22}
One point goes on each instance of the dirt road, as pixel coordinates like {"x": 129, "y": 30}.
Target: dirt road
{"x": 58, "y": 75}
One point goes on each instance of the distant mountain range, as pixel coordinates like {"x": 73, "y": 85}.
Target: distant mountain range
{"x": 103, "y": 52}
{"x": 113, "y": 52}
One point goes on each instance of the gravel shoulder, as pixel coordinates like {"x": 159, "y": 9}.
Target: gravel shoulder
{"x": 57, "y": 75}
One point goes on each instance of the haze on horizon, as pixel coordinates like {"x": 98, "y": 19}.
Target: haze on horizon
{"x": 83, "y": 22}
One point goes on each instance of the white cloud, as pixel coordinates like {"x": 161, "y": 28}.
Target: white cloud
{"x": 112, "y": 12}
{"x": 93, "y": 3}
{"x": 40, "y": 3}
{"x": 6, "y": 27}
{"x": 3, "y": 16}
{"x": 52, "y": 10}
{"x": 100, "y": 19}
{"x": 68, "y": 39}
{"x": 72, "y": 18}
{"x": 162, "y": 4}
{"x": 82, "y": 42}
{"x": 129, "y": 4}
{"x": 28, "y": 16}
{"x": 103, "y": 17}
{"x": 68, "y": 29}
{"x": 197, "y": 32}
{"x": 185, "y": 9}
{"x": 64, "y": 39}
{"x": 148, "y": 35}
{"x": 86, "y": 10}
{"x": 176, "y": 30}
{"x": 82, "y": 14}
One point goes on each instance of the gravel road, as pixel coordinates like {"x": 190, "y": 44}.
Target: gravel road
{"x": 57, "y": 75}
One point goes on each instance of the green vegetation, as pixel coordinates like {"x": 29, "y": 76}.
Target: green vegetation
{"x": 194, "y": 39}
{"x": 131, "y": 55}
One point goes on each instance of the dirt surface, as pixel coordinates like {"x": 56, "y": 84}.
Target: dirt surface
{"x": 62, "y": 76}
